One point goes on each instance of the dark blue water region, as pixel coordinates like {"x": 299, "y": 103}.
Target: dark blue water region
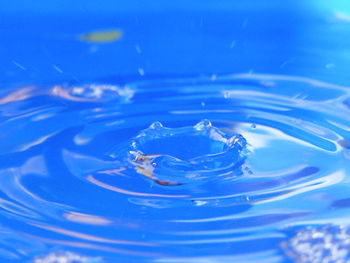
{"x": 39, "y": 41}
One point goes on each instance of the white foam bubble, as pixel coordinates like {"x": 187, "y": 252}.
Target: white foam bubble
{"x": 325, "y": 244}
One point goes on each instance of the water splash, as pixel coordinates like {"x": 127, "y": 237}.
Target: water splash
{"x": 185, "y": 155}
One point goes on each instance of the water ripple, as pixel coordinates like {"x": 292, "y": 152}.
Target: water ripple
{"x": 173, "y": 170}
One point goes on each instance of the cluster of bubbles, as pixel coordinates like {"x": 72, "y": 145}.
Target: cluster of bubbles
{"x": 323, "y": 244}
{"x": 65, "y": 257}
{"x": 94, "y": 92}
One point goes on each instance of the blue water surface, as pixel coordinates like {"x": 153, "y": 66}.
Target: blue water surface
{"x": 206, "y": 131}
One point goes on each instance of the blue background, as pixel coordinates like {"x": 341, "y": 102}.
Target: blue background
{"x": 179, "y": 38}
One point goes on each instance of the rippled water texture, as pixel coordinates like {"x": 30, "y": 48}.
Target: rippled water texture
{"x": 234, "y": 169}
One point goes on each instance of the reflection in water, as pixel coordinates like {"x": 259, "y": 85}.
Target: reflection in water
{"x": 86, "y": 219}
{"x": 90, "y": 237}
{"x": 18, "y": 95}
